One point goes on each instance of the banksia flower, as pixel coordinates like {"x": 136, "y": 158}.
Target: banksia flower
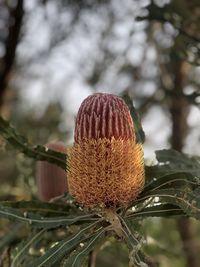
{"x": 51, "y": 179}
{"x": 106, "y": 166}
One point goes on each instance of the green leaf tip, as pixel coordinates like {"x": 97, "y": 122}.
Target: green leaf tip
{"x": 140, "y": 135}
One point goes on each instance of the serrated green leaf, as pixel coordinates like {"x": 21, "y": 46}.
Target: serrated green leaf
{"x": 77, "y": 257}
{"x": 62, "y": 248}
{"x": 22, "y": 250}
{"x": 21, "y": 144}
{"x": 42, "y": 208}
{"x": 134, "y": 242}
{"x": 140, "y": 135}
{"x": 171, "y": 155}
{"x": 133, "y": 238}
{"x": 38, "y": 221}
{"x": 189, "y": 202}
{"x": 170, "y": 162}
{"x": 171, "y": 181}
{"x": 159, "y": 210}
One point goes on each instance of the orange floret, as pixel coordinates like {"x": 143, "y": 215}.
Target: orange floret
{"x": 106, "y": 172}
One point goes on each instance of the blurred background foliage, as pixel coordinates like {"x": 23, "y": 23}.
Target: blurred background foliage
{"x": 55, "y": 53}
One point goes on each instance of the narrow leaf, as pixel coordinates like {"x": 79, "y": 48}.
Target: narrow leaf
{"x": 189, "y": 202}
{"x": 62, "y": 248}
{"x": 171, "y": 161}
{"x": 41, "y": 222}
{"x": 140, "y": 135}
{"x": 22, "y": 251}
{"x": 77, "y": 257}
{"x": 171, "y": 181}
{"x": 130, "y": 236}
{"x": 21, "y": 144}
{"x": 160, "y": 210}
{"x": 134, "y": 242}
{"x": 40, "y": 207}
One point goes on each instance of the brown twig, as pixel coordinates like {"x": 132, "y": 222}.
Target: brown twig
{"x": 92, "y": 258}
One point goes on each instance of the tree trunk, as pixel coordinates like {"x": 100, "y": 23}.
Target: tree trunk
{"x": 15, "y": 22}
{"x": 179, "y": 110}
